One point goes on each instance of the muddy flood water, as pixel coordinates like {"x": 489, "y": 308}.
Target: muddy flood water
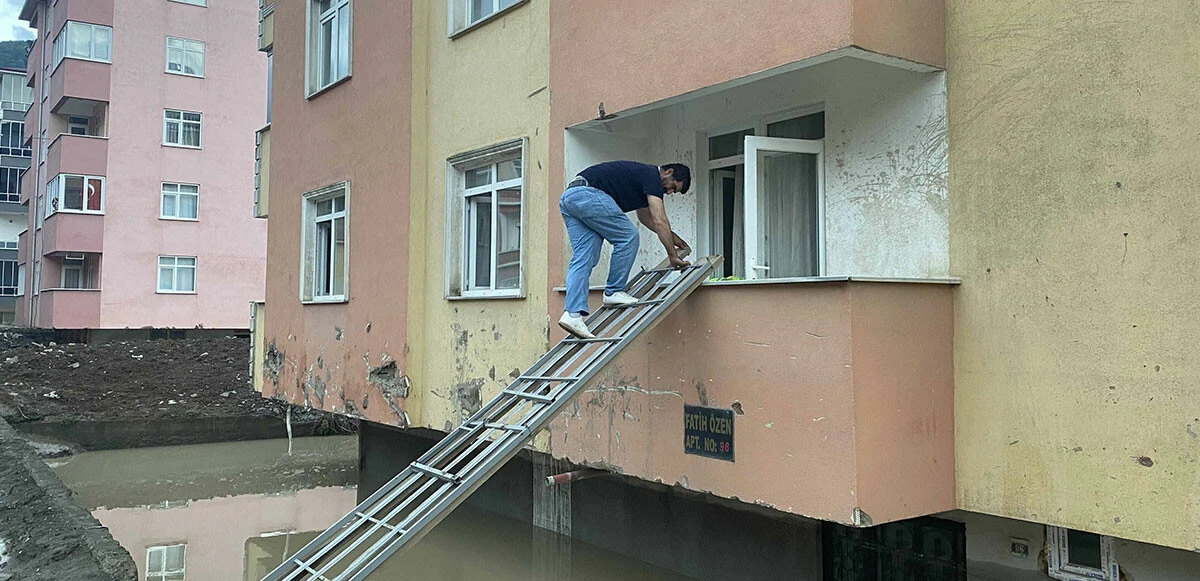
{"x": 233, "y": 511}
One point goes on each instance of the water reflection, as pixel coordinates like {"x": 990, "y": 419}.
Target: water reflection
{"x": 233, "y": 511}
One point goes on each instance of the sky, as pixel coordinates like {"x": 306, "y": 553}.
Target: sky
{"x": 10, "y": 27}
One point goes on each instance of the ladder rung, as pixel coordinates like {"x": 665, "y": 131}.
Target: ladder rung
{"x": 631, "y": 305}
{"x": 593, "y": 340}
{"x": 533, "y": 396}
{"x": 545, "y": 378}
{"x": 493, "y": 426}
{"x": 671, "y": 269}
{"x": 434, "y": 472}
{"x": 319, "y": 577}
{"x": 363, "y": 515}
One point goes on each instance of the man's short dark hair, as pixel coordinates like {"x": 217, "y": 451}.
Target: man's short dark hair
{"x": 682, "y": 174}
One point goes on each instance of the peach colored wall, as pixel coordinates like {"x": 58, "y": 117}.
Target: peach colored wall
{"x": 216, "y": 530}
{"x": 911, "y": 30}
{"x": 77, "y": 154}
{"x": 69, "y": 309}
{"x": 91, "y": 11}
{"x": 798, "y": 367}
{"x": 903, "y": 398}
{"x": 72, "y": 232}
{"x": 80, "y": 79}
{"x": 227, "y": 240}
{"x": 356, "y": 131}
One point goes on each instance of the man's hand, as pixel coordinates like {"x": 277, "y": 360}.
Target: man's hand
{"x": 677, "y": 262}
{"x": 680, "y": 244}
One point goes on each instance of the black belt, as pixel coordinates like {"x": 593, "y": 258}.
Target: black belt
{"x": 578, "y": 182}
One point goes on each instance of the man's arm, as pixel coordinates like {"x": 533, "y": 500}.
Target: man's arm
{"x": 655, "y": 218}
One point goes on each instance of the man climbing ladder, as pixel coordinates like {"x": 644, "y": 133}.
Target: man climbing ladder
{"x": 593, "y": 208}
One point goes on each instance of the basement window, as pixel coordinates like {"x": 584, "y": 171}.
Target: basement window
{"x": 1080, "y": 556}
{"x": 165, "y": 563}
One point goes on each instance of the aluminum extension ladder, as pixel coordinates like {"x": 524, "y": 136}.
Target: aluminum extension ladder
{"x": 411, "y": 504}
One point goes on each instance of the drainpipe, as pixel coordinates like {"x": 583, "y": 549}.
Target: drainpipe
{"x": 573, "y": 476}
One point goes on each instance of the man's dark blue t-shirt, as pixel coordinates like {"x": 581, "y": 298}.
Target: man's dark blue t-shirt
{"x": 628, "y": 182}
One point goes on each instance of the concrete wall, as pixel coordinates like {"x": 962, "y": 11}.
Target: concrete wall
{"x": 227, "y": 241}
{"x": 885, "y": 160}
{"x": 484, "y": 87}
{"x": 356, "y": 131}
{"x": 1073, "y": 224}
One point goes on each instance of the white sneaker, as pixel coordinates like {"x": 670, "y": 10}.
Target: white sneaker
{"x": 574, "y": 325}
{"x": 621, "y": 298}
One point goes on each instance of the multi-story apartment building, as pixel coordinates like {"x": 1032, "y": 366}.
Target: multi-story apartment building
{"x": 951, "y": 317}
{"x": 15, "y": 98}
{"x": 140, "y": 213}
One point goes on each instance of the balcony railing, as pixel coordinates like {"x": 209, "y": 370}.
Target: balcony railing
{"x": 69, "y": 308}
{"x": 77, "y": 79}
{"x": 77, "y": 154}
{"x": 72, "y": 232}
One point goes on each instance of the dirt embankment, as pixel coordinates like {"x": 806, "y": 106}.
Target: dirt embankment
{"x": 44, "y": 535}
{"x": 133, "y": 381}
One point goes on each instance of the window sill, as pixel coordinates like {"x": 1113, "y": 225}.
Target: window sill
{"x": 488, "y": 295}
{"x": 164, "y": 292}
{"x": 486, "y": 19}
{"x": 170, "y": 219}
{"x": 325, "y": 301}
{"x": 328, "y": 87}
{"x": 179, "y": 74}
{"x": 72, "y": 290}
{"x": 177, "y": 146}
{"x": 189, "y": 3}
{"x": 86, "y": 213}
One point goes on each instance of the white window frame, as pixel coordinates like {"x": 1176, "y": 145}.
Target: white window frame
{"x": 73, "y": 263}
{"x": 185, "y": 46}
{"x": 164, "y": 572}
{"x": 14, "y": 94}
{"x": 14, "y": 269}
{"x": 175, "y": 267}
{"x": 176, "y": 189}
{"x": 14, "y": 183}
{"x": 312, "y": 268}
{"x": 74, "y": 125}
{"x": 167, "y": 122}
{"x": 56, "y": 191}
{"x": 314, "y": 44}
{"x": 72, "y": 28}
{"x": 752, "y": 236}
{"x": 1059, "y": 561}
{"x": 20, "y": 280}
{"x": 459, "y": 235}
{"x": 700, "y": 183}
{"x": 460, "y": 19}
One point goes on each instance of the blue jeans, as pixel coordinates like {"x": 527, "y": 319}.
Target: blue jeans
{"x": 591, "y": 216}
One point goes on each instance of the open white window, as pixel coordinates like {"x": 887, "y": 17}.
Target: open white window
{"x": 326, "y": 255}
{"x": 166, "y": 563}
{"x": 180, "y": 201}
{"x": 185, "y": 57}
{"x": 1080, "y": 556}
{"x": 485, "y": 201}
{"x": 328, "y": 43}
{"x": 765, "y": 205}
{"x": 465, "y": 14}
{"x": 784, "y": 208}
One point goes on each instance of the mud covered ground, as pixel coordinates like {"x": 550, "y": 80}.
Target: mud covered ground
{"x": 44, "y": 535}
{"x": 131, "y": 380}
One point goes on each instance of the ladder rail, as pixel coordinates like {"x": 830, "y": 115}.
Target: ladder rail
{"x": 499, "y": 444}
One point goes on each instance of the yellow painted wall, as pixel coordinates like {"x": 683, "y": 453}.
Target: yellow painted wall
{"x": 485, "y": 87}
{"x": 1075, "y": 225}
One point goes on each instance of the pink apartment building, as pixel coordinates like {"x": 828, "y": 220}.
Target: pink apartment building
{"x": 139, "y": 188}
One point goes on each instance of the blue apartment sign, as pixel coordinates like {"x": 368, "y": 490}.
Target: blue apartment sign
{"x": 708, "y": 432}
